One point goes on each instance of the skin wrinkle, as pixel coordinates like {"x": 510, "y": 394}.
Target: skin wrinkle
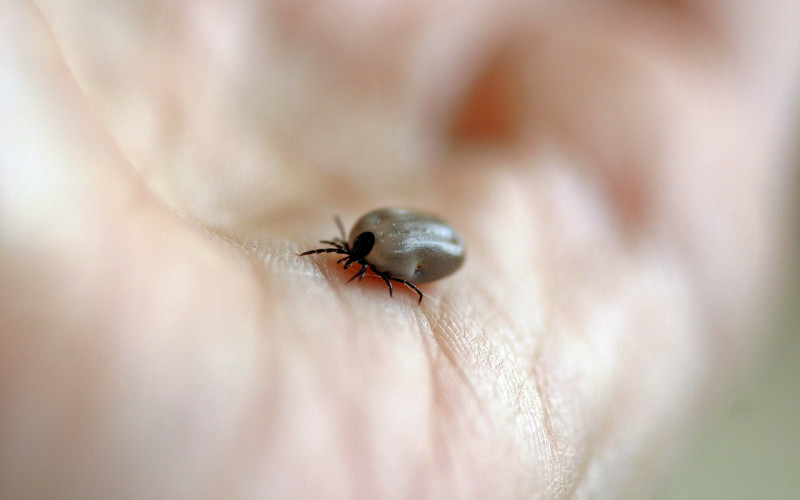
{"x": 442, "y": 452}
{"x": 513, "y": 394}
{"x": 550, "y": 437}
{"x": 590, "y": 443}
{"x": 518, "y": 390}
{"x": 577, "y": 475}
{"x": 596, "y": 442}
{"x": 446, "y": 339}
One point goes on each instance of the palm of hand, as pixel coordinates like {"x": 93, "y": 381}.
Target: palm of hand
{"x": 195, "y": 351}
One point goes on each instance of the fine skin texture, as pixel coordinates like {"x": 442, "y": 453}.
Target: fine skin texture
{"x": 617, "y": 169}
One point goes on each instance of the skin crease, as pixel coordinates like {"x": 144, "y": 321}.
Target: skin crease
{"x": 618, "y": 172}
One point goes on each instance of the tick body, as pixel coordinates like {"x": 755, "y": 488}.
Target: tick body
{"x": 398, "y": 245}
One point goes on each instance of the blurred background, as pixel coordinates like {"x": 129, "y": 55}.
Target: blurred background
{"x": 749, "y": 448}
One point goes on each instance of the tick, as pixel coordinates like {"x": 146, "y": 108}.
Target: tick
{"x": 398, "y": 245}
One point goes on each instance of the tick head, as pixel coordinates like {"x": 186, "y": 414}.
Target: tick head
{"x": 362, "y": 245}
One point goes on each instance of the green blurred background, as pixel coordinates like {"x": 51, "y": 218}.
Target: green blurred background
{"x": 750, "y": 447}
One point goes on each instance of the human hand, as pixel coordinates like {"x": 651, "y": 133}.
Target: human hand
{"x": 615, "y": 171}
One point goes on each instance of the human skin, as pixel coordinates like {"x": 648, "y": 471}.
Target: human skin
{"x": 618, "y": 172}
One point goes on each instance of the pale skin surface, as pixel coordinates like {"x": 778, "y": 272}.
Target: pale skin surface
{"x": 618, "y": 173}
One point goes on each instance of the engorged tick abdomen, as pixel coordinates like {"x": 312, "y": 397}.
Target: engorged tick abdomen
{"x": 410, "y": 245}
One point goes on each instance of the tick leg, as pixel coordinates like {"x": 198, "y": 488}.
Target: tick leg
{"x": 360, "y": 274}
{"x": 323, "y": 250}
{"x": 339, "y": 224}
{"x": 333, "y": 243}
{"x": 342, "y": 244}
{"x": 384, "y": 276}
{"x": 410, "y": 285}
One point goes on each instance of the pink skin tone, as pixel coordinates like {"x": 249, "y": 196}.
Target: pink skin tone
{"x": 619, "y": 173}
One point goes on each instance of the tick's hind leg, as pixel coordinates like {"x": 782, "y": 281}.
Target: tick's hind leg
{"x": 387, "y": 278}
{"x": 384, "y": 276}
{"x": 409, "y": 285}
